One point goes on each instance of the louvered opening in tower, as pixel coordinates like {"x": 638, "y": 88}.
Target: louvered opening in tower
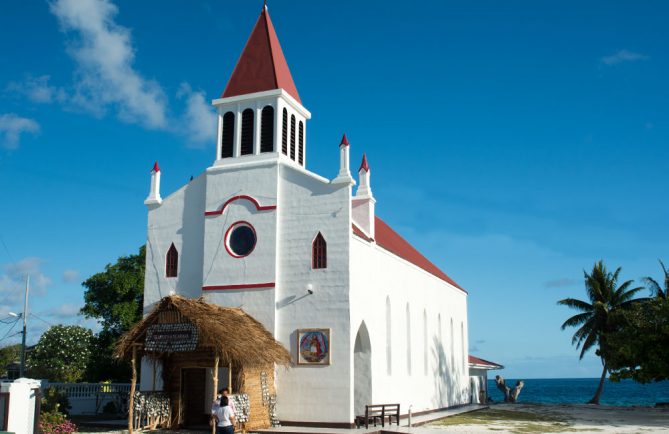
{"x": 247, "y": 132}
{"x": 267, "y": 129}
{"x": 227, "y": 135}
{"x": 284, "y": 133}
{"x": 300, "y": 152}
{"x": 292, "y": 137}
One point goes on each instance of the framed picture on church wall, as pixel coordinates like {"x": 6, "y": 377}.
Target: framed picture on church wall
{"x": 313, "y": 347}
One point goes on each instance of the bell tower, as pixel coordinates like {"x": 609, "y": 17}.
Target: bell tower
{"x": 260, "y": 114}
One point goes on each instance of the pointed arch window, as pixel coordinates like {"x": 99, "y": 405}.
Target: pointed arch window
{"x": 389, "y": 338}
{"x": 300, "y": 151}
{"x": 284, "y": 133}
{"x": 319, "y": 254}
{"x": 247, "y": 132}
{"x": 172, "y": 262}
{"x": 227, "y": 134}
{"x": 267, "y": 129}
{"x": 292, "y": 137}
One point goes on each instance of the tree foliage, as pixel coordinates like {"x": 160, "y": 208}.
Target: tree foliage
{"x": 115, "y": 297}
{"x": 605, "y": 297}
{"x": 638, "y": 344}
{"x": 9, "y": 354}
{"x": 62, "y": 354}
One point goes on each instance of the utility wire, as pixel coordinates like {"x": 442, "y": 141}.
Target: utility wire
{"x": 6, "y": 249}
{"x": 43, "y": 320}
{"x": 9, "y": 331}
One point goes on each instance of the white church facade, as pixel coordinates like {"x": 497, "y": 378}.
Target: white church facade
{"x": 365, "y": 316}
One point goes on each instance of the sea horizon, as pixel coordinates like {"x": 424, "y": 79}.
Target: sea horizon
{"x": 580, "y": 391}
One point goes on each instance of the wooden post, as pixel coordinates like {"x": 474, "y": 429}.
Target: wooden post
{"x": 230, "y": 377}
{"x": 213, "y": 426}
{"x": 133, "y": 384}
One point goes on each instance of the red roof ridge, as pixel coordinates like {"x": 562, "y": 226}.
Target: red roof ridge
{"x": 391, "y": 241}
{"x": 262, "y": 65}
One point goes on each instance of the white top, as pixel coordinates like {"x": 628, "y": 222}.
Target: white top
{"x": 223, "y": 414}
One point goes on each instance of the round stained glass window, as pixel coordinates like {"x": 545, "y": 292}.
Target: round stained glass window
{"x": 241, "y": 240}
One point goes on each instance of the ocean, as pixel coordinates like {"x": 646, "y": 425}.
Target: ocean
{"x": 581, "y": 390}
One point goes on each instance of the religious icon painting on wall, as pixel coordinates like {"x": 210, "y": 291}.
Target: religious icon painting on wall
{"x": 313, "y": 347}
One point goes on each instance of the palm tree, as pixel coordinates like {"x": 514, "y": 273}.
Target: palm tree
{"x": 655, "y": 287}
{"x": 604, "y": 297}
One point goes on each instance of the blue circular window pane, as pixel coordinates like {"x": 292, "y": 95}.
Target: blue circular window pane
{"x": 242, "y": 240}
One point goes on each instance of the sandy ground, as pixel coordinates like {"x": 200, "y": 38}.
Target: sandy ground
{"x": 571, "y": 418}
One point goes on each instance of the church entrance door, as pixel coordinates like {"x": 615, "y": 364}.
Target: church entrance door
{"x": 362, "y": 370}
{"x": 192, "y": 396}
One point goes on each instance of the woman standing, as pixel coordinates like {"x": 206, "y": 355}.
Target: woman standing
{"x": 225, "y": 417}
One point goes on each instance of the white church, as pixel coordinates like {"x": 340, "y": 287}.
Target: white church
{"x": 366, "y": 318}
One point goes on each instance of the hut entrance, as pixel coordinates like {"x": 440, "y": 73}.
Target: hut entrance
{"x": 192, "y": 394}
{"x": 194, "y": 342}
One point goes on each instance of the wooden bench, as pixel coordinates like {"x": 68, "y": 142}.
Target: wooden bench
{"x": 378, "y": 413}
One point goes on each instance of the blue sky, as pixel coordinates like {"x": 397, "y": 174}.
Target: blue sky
{"x": 514, "y": 143}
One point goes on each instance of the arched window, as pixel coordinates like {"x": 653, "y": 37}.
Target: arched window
{"x": 247, "y": 132}
{"x": 300, "y": 152}
{"x": 319, "y": 252}
{"x": 425, "y": 341}
{"x": 389, "y": 339}
{"x": 284, "y": 133}
{"x": 462, "y": 341}
{"x": 267, "y": 129}
{"x": 227, "y": 135}
{"x": 292, "y": 137}
{"x": 452, "y": 347}
{"x": 408, "y": 340}
{"x": 172, "y": 262}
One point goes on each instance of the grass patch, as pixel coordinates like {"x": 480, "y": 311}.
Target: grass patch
{"x": 520, "y": 422}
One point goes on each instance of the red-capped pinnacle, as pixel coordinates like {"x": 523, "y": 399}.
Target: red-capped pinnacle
{"x": 364, "y": 165}
{"x": 344, "y": 141}
{"x": 156, "y": 168}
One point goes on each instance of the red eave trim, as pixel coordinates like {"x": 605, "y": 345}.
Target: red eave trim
{"x": 481, "y": 362}
{"x": 238, "y": 286}
{"x": 241, "y": 197}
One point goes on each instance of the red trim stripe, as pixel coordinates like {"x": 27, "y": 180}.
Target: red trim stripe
{"x": 241, "y": 197}
{"x": 238, "y": 286}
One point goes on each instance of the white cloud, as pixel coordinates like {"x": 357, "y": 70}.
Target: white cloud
{"x": 11, "y": 128}
{"x": 13, "y": 281}
{"x": 623, "y": 56}
{"x": 70, "y": 276}
{"x": 199, "y": 120}
{"x": 105, "y": 75}
{"x": 38, "y": 89}
{"x": 64, "y": 311}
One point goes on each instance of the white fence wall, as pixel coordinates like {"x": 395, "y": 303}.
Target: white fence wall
{"x": 90, "y": 398}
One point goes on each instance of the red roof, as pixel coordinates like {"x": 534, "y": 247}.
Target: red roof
{"x": 390, "y": 240}
{"x": 476, "y": 361}
{"x": 262, "y": 65}
{"x": 156, "y": 168}
{"x": 344, "y": 141}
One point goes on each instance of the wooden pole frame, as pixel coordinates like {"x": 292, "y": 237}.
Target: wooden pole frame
{"x": 215, "y": 375}
{"x": 133, "y": 385}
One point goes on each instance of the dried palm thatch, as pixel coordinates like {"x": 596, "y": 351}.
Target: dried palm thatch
{"x": 231, "y": 333}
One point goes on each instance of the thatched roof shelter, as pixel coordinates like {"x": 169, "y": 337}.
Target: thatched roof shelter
{"x": 231, "y": 333}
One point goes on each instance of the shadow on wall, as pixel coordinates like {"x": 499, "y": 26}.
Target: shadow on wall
{"x": 192, "y": 252}
{"x": 447, "y": 378}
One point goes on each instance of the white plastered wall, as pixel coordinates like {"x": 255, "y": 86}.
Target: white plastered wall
{"x": 309, "y": 204}
{"x": 376, "y": 275}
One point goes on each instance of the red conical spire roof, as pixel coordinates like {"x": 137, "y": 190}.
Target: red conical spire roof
{"x": 344, "y": 141}
{"x": 156, "y": 168}
{"x": 262, "y": 65}
{"x": 364, "y": 166}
